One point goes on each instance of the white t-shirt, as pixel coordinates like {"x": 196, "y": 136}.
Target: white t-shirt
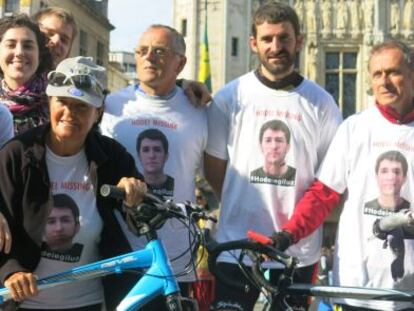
{"x": 69, "y": 176}
{"x": 361, "y": 259}
{"x": 250, "y": 200}
{"x": 130, "y": 112}
{"x": 6, "y": 125}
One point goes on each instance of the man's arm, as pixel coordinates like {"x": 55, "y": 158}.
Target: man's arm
{"x": 196, "y": 92}
{"x": 311, "y": 211}
{"x": 214, "y": 171}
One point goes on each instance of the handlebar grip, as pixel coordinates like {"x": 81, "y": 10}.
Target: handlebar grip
{"x": 391, "y": 222}
{"x": 260, "y": 238}
{"x": 276, "y": 254}
{"x": 110, "y": 191}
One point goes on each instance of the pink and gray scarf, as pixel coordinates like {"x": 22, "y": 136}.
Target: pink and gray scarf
{"x": 28, "y": 104}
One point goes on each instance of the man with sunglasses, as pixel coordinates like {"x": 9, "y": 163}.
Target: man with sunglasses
{"x": 157, "y": 103}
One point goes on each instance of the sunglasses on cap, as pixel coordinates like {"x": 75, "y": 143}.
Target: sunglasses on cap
{"x": 84, "y": 82}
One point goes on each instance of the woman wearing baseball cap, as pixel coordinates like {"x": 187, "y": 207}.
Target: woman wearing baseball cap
{"x": 65, "y": 156}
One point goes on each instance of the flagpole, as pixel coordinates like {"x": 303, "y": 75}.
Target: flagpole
{"x": 204, "y": 73}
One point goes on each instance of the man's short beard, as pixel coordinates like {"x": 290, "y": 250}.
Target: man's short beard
{"x": 279, "y": 69}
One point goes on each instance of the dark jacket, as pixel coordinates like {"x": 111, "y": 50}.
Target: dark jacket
{"x": 26, "y": 198}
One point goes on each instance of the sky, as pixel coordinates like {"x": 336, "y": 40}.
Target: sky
{"x": 132, "y": 17}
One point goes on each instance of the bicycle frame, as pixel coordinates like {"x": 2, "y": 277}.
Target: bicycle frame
{"x": 158, "y": 279}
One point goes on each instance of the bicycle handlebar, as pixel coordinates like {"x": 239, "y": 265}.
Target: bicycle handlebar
{"x": 154, "y": 211}
{"x": 253, "y": 247}
{"x": 111, "y": 191}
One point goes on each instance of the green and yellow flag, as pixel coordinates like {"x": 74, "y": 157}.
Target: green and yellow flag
{"x": 204, "y": 74}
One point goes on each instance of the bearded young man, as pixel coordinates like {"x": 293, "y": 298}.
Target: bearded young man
{"x": 274, "y": 91}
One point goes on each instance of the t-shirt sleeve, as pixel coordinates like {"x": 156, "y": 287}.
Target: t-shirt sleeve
{"x": 331, "y": 118}
{"x": 218, "y": 128}
{"x": 334, "y": 169}
{"x": 6, "y": 125}
{"x": 114, "y": 104}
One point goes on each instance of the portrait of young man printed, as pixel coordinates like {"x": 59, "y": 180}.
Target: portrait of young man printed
{"x": 152, "y": 150}
{"x": 391, "y": 169}
{"x": 274, "y": 141}
{"x": 62, "y": 225}
{"x": 391, "y": 174}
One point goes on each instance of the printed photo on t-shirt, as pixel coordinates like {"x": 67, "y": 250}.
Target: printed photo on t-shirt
{"x": 152, "y": 151}
{"x": 391, "y": 174}
{"x": 62, "y": 225}
{"x": 274, "y": 139}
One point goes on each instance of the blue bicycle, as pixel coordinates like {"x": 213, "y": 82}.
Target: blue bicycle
{"x": 158, "y": 278}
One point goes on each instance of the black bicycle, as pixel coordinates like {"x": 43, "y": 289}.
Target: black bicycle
{"x": 258, "y": 248}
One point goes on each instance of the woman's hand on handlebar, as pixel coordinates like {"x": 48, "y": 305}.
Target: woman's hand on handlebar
{"x": 5, "y": 235}
{"x": 22, "y": 285}
{"x": 135, "y": 190}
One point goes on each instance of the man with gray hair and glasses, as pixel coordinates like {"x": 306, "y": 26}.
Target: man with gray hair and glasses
{"x": 156, "y": 103}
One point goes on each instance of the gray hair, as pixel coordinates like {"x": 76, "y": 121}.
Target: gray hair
{"x": 407, "y": 52}
{"x": 177, "y": 38}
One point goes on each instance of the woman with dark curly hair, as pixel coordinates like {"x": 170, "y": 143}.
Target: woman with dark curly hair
{"x": 23, "y": 64}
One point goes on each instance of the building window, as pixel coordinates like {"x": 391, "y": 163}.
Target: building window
{"x": 234, "y": 46}
{"x": 340, "y": 79}
{"x": 131, "y": 68}
{"x": 184, "y": 27}
{"x": 12, "y": 6}
{"x": 100, "y": 53}
{"x": 83, "y": 43}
